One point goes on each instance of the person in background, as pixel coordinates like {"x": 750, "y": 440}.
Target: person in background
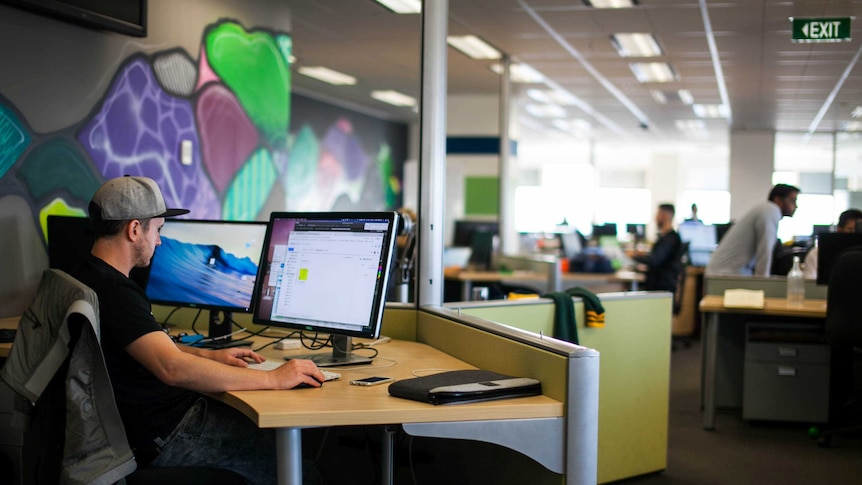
{"x": 747, "y": 247}
{"x": 693, "y": 219}
{"x": 160, "y": 386}
{"x": 662, "y": 265}
{"x": 846, "y": 223}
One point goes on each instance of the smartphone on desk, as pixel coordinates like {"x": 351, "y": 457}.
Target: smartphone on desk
{"x": 372, "y": 381}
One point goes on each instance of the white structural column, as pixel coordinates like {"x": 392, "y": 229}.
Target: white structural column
{"x": 432, "y": 160}
{"x": 506, "y": 197}
{"x": 752, "y": 156}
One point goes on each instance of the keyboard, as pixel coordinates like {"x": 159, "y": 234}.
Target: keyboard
{"x": 275, "y": 364}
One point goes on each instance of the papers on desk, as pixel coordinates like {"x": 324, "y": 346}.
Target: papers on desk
{"x": 741, "y": 298}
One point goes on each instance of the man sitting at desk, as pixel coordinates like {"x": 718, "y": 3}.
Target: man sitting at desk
{"x": 847, "y": 224}
{"x": 662, "y": 265}
{"x": 747, "y": 247}
{"x": 157, "y": 383}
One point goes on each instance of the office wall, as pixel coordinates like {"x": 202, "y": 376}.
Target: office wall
{"x": 751, "y": 162}
{"x": 203, "y": 105}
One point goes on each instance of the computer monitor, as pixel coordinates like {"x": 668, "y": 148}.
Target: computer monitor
{"x": 326, "y": 272}
{"x": 721, "y": 230}
{"x": 607, "y": 229}
{"x": 571, "y": 244}
{"x": 70, "y": 240}
{"x": 831, "y": 245}
{"x": 464, "y": 230}
{"x": 701, "y": 239}
{"x": 638, "y": 231}
{"x": 209, "y": 265}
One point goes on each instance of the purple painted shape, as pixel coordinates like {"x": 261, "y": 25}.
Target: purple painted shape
{"x": 138, "y": 130}
{"x": 342, "y": 144}
{"x": 228, "y": 137}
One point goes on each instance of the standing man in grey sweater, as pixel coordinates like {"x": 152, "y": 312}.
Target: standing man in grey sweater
{"x": 747, "y": 247}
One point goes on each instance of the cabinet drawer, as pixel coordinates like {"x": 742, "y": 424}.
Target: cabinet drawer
{"x": 787, "y": 352}
{"x": 786, "y": 392}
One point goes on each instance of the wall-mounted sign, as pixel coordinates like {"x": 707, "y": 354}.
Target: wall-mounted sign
{"x": 835, "y": 29}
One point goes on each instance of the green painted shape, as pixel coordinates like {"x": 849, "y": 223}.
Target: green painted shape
{"x": 481, "y": 196}
{"x": 250, "y": 188}
{"x": 285, "y": 45}
{"x": 302, "y": 165}
{"x": 391, "y": 184}
{"x": 58, "y": 164}
{"x": 57, "y": 207}
{"x": 13, "y": 139}
{"x": 253, "y": 66}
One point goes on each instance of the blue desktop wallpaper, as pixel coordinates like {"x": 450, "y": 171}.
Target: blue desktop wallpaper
{"x": 200, "y": 275}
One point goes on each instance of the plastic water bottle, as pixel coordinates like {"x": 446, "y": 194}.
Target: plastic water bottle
{"x": 795, "y": 284}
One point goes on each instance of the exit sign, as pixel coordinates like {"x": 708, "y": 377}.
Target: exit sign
{"x": 821, "y": 30}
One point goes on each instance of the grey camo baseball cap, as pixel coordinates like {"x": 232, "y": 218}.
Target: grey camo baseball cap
{"x": 127, "y": 198}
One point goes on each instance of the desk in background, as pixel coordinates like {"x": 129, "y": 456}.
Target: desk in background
{"x": 712, "y": 307}
{"x": 595, "y": 282}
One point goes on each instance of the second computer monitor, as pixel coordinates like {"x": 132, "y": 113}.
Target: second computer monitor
{"x": 830, "y": 246}
{"x": 326, "y": 272}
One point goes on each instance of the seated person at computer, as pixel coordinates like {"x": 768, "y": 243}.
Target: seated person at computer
{"x": 662, "y": 265}
{"x": 846, "y": 224}
{"x": 693, "y": 219}
{"x": 747, "y": 247}
{"x": 157, "y": 383}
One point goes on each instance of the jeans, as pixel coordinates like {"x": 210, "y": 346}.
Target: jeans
{"x": 212, "y": 434}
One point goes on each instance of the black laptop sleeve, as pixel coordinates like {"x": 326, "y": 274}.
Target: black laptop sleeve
{"x": 462, "y": 386}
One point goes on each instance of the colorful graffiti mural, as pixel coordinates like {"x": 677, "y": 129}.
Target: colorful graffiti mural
{"x": 214, "y": 133}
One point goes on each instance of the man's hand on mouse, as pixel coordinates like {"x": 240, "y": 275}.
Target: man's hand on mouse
{"x": 295, "y": 372}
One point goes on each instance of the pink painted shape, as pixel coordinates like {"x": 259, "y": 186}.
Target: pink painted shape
{"x": 227, "y": 135}
{"x": 205, "y": 72}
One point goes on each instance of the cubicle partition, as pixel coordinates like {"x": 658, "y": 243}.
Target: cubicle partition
{"x": 634, "y": 376}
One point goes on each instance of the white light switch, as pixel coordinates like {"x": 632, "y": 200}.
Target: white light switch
{"x": 186, "y": 152}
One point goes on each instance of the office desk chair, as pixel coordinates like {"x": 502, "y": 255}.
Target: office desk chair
{"x": 843, "y": 330}
{"x": 75, "y": 433}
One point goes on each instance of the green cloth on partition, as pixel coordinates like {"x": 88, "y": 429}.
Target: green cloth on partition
{"x": 565, "y": 327}
{"x": 565, "y": 323}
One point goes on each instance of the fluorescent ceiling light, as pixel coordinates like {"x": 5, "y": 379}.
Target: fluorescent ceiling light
{"x": 685, "y": 96}
{"x": 552, "y": 96}
{"x": 576, "y": 126}
{"x": 636, "y": 45}
{"x": 709, "y": 110}
{"x": 394, "y": 98}
{"x": 520, "y": 73}
{"x": 545, "y": 110}
{"x": 402, "y": 6}
{"x": 857, "y": 113}
{"x": 658, "y": 96}
{"x": 473, "y": 46}
{"x": 695, "y": 129}
{"x": 611, "y": 3}
{"x": 327, "y": 75}
{"x": 653, "y": 72}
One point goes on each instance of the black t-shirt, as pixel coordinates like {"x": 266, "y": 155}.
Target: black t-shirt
{"x": 148, "y": 407}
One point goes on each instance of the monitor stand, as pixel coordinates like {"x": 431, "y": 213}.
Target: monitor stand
{"x": 341, "y": 354}
{"x": 219, "y": 328}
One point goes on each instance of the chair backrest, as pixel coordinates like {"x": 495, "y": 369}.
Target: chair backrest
{"x": 844, "y": 300}
{"x": 56, "y": 362}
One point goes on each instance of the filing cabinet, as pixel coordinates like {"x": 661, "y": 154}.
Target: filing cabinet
{"x": 786, "y": 373}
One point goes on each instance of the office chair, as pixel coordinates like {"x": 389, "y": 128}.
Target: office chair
{"x": 843, "y": 330}
{"x": 75, "y": 436}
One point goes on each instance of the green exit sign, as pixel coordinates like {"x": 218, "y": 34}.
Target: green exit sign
{"x": 821, "y": 29}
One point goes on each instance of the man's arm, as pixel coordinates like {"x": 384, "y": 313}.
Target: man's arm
{"x": 186, "y": 369}
{"x": 767, "y": 235}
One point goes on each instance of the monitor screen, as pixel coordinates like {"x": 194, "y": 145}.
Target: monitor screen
{"x": 607, "y": 229}
{"x": 830, "y": 246}
{"x": 326, "y": 272}
{"x": 209, "y": 265}
{"x": 571, "y": 244}
{"x": 637, "y": 230}
{"x": 698, "y": 236}
{"x": 70, "y": 240}
{"x": 464, "y": 231}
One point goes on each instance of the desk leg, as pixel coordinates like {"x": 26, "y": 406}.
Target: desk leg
{"x": 634, "y": 285}
{"x": 388, "y": 470}
{"x": 710, "y": 350}
{"x": 466, "y": 290}
{"x": 288, "y": 449}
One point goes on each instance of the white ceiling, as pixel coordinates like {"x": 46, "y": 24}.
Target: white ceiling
{"x": 772, "y": 83}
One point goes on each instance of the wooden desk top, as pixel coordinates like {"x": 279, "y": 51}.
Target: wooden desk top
{"x": 339, "y": 403}
{"x": 810, "y": 308}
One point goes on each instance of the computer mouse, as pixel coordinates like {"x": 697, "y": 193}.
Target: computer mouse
{"x": 305, "y": 385}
